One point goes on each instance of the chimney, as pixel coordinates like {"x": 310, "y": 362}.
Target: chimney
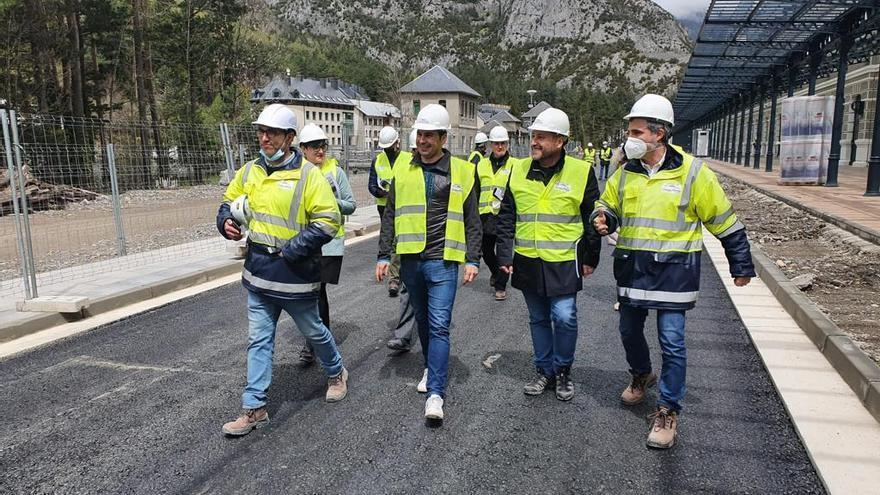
{"x": 323, "y": 81}
{"x": 334, "y": 83}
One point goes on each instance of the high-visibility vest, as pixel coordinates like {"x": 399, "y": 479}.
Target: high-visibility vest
{"x": 590, "y": 155}
{"x": 330, "y": 169}
{"x": 606, "y": 153}
{"x": 548, "y": 218}
{"x": 474, "y": 154}
{"x": 493, "y": 185}
{"x": 410, "y": 208}
{"x": 385, "y": 170}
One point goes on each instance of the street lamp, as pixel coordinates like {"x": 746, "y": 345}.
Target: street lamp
{"x": 531, "y": 93}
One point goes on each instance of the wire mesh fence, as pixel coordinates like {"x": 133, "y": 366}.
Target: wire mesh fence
{"x": 104, "y": 195}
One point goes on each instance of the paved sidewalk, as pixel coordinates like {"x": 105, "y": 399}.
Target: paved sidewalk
{"x": 846, "y": 205}
{"x": 116, "y": 283}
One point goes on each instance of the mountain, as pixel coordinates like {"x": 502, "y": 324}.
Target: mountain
{"x": 692, "y": 25}
{"x": 604, "y": 45}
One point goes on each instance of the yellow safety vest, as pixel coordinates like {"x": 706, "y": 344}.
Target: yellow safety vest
{"x": 493, "y": 185}
{"x": 590, "y": 155}
{"x": 385, "y": 170}
{"x": 473, "y": 154}
{"x": 606, "y": 154}
{"x": 410, "y": 209}
{"x": 548, "y": 218}
{"x": 665, "y": 213}
{"x": 330, "y": 169}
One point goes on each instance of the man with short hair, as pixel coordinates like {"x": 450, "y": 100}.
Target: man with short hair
{"x": 432, "y": 218}
{"x": 546, "y": 242}
{"x": 604, "y": 160}
{"x": 494, "y": 172}
{"x": 479, "y": 151}
{"x": 658, "y": 202}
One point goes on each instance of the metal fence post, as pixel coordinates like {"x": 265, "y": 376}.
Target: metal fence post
{"x": 117, "y": 207}
{"x": 241, "y": 156}
{"x": 227, "y": 150}
{"x": 22, "y": 254}
{"x": 25, "y": 216}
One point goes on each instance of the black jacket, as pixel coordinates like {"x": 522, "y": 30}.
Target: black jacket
{"x": 534, "y": 274}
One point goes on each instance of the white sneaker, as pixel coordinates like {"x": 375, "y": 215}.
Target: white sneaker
{"x": 422, "y": 387}
{"x": 434, "y": 407}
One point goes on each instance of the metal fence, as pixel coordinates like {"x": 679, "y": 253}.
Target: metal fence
{"x": 79, "y": 196}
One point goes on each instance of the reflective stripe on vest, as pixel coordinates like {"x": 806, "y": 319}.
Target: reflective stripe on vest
{"x": 657, "y": 295}
{"x": 385, "y": 170}
{"x": 548, "y": 218}
{"x": 257, "y": 234}
{"x": 278, "y": 286}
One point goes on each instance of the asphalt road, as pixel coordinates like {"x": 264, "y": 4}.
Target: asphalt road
{"x": 136, "y": 407}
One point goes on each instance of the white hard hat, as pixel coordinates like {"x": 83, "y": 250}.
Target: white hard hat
{"x": 589, "y": 145}
{"x": 387, "y": 137}
{"x": 604, "y": 143}
{"x": 653, "y": 107}
{"x": 498, "y": 134}
{"x": 240, "y": 210}
{"x": 480, "y": 138}
{"x": 311, "y": 132}
{"x": 433, "y": 117}
{"x": 412, "y": 138}
{"x": 551, "y": 120}
{"x": 277, "y": 116}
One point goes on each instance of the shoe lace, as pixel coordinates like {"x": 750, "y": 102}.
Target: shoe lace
{"x": 661, "y": 418}
{"x": 638, "y": 383}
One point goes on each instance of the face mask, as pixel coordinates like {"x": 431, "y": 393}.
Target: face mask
{"x": 279, "y": 154}
{"x": 635, "y": 148}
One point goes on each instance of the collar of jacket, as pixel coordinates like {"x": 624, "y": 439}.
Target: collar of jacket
{"x": 292, "y": 163}
{"x": 536, "y": 166}
{"x": 441, "y": 166}
{"x": 498, "y": 162}
{"x": 673, "y": 160}
{"x": 391, "y": 156}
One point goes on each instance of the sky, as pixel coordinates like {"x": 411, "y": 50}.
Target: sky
{"x": 684, "y": 8}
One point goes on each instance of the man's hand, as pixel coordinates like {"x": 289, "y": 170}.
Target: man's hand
{"x": 587, "y": 270}
{"x": 231, "y": 230}
{"x": 600, "y": 224}
{"x": 470, "y": 273}
{"x": 741, "y": 281}
{"x": 508, "y": 269}
{"x": 381, "y": 270}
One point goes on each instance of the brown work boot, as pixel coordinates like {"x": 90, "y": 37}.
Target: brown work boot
{"x": 249, "y": 419}
{"x": 337, "y": 387}
{"x": 663, "y": 428}
{"x": 635, "y": 392}
{"x": 500, "y": 295}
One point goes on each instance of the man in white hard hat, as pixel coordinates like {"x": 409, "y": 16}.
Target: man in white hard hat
{"x": 433, "y": 220}
{"x": 604, "y": 160}
{"x": 494, "y": 172}
{"x": 546, "y": 242}
{"x": 658, "y": 202}
{"x": 479, "y": 151}
{"x": 381, "y": 173}
{"x": 293, "y": 213}
{"x": 590, "y": 154}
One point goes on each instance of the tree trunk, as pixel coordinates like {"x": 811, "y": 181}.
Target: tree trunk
{"x": 74, "y": 59}
{"x": 144, "y": 178}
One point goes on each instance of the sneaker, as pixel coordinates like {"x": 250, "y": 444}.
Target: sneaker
{"x": 664, "y": 424}
{"x": 337, "y": 387}
{"x": 564, "y": 385}
{"x": 539, "y": 384}
{"x": 393, "y": 289}
{"x": 617, "y": 306}
{"x": 249, "y": 419}
{"x": 306, "y": 355}
{"x": 422, "y": 387}
{"x": 500, "y": 295}
{"x": 434, "y": 407}
{"x": 635, "y": 392}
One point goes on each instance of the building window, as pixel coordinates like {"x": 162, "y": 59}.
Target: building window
{"x": 417, "y": 107}
{"x": 443, "y": 103}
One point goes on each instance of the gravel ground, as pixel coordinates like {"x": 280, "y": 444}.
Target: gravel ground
{"x": 845, "y": 269}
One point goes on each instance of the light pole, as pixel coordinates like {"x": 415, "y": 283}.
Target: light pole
{"x": 531, "y": 93}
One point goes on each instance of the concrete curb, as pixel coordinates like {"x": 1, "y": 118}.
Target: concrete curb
{"x": 43, "y": 321}
{"x": 863, "y": 232}
{"x": 854, "y": 366}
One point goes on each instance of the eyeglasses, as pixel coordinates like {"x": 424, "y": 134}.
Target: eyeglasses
{"x": 316, "y": 145}
{"x": 268, "y": 131}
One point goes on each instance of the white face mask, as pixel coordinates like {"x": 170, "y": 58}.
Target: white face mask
{"x": 635, "y": 148}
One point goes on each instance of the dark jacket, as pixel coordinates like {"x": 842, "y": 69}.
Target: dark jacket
{"x": 437, "y": 187}
{"x": 534, "y": 274}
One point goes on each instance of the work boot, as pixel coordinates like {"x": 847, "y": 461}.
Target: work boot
{"x": 249, "y": 419}
{"x": 393, "y": 288}
{"x": 422, "y": 387}
{"x": 337, "y": 387}
{"x": 564, "y": 385}
{"x": 434, "y": 407}
{"x": 635, "y": 392}
{"x": 540, "y": 383}
{"x": 500, "y": 295}
{"x": 664, "y": 423}
{"x": 306, "y": 355}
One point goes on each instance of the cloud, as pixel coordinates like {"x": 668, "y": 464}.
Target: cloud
{"x": 685, "y": 8}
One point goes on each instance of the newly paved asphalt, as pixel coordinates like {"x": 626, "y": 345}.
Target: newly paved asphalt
{"x": 136, "y": 407}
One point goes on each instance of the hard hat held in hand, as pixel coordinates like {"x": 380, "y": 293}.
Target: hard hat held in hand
{"x": 310, "y": 133}
{"x": 480, "y": 138}
{"x": 653, "y": 107}
{"x": 551, "y": 120}
{"x": 241, "y": 212}
{"x": 432, "y": 118}
{"x": 498, "y": 134}
{"x": 387, "y": 137}
{"x": 277, "y": 116}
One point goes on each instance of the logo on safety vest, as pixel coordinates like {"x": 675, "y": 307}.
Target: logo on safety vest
{"x": 672, "y": 188}
{"x": 562, "y": 186}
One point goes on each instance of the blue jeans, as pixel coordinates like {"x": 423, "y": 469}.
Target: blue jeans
{"x": 431, "y": 285}
{"x": 553, "y": 321}
{"x": 603, "y": 169}
{"x": 263, "y": 313}
{"x": 670, "y": 331}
